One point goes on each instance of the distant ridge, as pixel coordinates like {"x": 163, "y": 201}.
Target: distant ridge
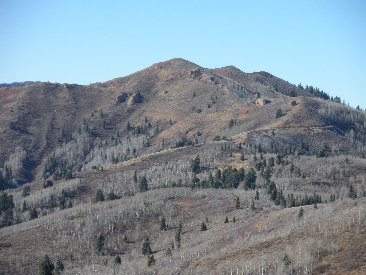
{"x": 18, "y": 84}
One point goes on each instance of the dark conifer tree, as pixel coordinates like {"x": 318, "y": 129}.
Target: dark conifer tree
{"x": 203, "y": 226}
{"x": 163, "y": 225}
{"x": 46, "y": 267}
{"x": 143, "y": 184}
{"x": 146, "y": 249}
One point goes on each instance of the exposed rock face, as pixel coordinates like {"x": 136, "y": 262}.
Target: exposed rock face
{"x": 262, "y": 101}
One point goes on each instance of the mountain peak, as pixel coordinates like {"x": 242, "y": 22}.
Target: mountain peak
{"x": 176, "y": 63}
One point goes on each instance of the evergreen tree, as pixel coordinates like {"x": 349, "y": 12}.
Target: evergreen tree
{"x": 135, "y": 177}
{"x": 6, "y": 202}
{"x": 99, "y": 196}
{"x": 168, "y": 252}
{"x": 249, "y": 180}
{"x": 26, "y": 191}
{"x": 146, "y": 249}
{"x": 237, "y": 203}
{"x": 292, "y": 168}
{"x": 226, "y": 220}
{"x": 163, "y": 225}
{"x": 234, "y": 220}
{"x": 59, "y": 267}
{"x": 178, "y": 234}
{"x": 256, "y": 195}
{"x": 286, "y": 260}
{"x": 62, "y": 203}
{"x": 46, "y": 267}
{"x": 99, "y": 243}
{"x": 8, "y": 218}
{"x": 143, "y": 184}
{"x": 150, "y": 260}
{"x": 33, "y": 214}
{"x": 352, "y": 194}
{"x": 111, "y": 196}
{"x": 279, "y": 113}
{"x": 301, "y": 212}
{"x": 203, "y": 226}
{"x": 196, "y": 168}
{"x": 252, "y": 206}
{"x": 24, "y": 208}
{"x": 117, "y": 260}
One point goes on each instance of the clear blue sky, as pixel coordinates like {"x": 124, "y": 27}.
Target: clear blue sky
{"x": 320, "y": 43}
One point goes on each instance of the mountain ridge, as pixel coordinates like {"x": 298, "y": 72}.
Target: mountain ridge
{"x": 177, "y": 75}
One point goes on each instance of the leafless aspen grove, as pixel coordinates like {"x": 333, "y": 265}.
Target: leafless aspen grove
{"x": 179, "y": 169}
